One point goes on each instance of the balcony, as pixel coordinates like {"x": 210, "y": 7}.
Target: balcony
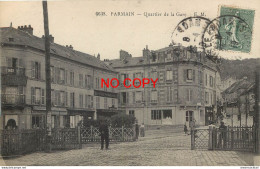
{"x": 12, "y": 100}
{"x": 13, "y": 76}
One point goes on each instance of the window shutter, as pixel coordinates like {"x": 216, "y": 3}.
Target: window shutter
{"x": 187, "y": 95}
{"x": 127, "y": 95}
{"x": 133, "y": 97}
{"x": 193, "y": 76}
{"x": 43, "y": 96}
{"x": 20, "y": 63}
{"x": 8, "y": 62}
{"x": 149, "y": 96}
{"x": 39, "y": 71}
{"x": 142, "y": 96}
{"x": 32, "y": 95}
{"x": 191, "y": 95}
{"x": 32, "y": 69}
{"x": 184, "y": 75}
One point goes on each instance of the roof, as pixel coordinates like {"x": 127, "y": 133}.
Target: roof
{"x": 25, "y": 39}
{"x": 141, "y": 61}
{"x": 240, "y": 84}
{"x": 250, "y": 88}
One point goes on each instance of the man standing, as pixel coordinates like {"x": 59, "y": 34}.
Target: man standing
{"x": 104, "y": 133}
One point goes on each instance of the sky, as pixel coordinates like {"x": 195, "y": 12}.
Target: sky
{"x": 75, "y": 23}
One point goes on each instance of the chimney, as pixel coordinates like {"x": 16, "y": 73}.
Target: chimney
{"x": 98, "y": 56}
{"x": 51, "y": 39}
{"x": 71, "y": 47}
{"x": 146, "y": 52}
{"x": 26, "y": 28}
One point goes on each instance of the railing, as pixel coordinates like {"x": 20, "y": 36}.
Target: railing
{"x": 18, "y": 142}
{"x": 230, "y": 138}
{"x": 13, "y": 70}
{"x": 92, "y": 134}
{"x": 13, "y": 99}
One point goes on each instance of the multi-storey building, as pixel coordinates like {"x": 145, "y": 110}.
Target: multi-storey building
{"x": 185, "y": 90}
{"x": 75, "y": 76}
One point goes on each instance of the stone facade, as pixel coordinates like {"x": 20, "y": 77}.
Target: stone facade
{"x": 185, "y": 90}
{"x": 75, "y": 76}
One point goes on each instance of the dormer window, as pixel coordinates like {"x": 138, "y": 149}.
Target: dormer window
{"x": 11, "y": 39}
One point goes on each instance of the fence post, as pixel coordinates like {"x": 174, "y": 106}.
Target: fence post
{"x": 232, "y": 138}
{"x": 79, "y": 138}
{"x": 210, "y": 144}
{"x": 122, "y": 133}
{"x": 91, "y": 133}
{"x": 134, "y": 131}
{"x": 192, "y": 140}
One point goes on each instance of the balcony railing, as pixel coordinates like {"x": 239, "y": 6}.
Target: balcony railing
{"x": 13, "y": 76}
{"x": 13, "y": 99}
{"x": 13, "y": 71}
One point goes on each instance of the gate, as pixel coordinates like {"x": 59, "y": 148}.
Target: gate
{"x": 92, "y": 134}
{"x": 232, "y": 138}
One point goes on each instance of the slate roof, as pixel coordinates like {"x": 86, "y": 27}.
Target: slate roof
{"x": 241, "y": 84}
{"x": 141, "y": 61}
{"x": 25, "y": 39}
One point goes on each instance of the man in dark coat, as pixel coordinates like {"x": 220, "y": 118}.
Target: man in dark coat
{"x": 104, "y": 133}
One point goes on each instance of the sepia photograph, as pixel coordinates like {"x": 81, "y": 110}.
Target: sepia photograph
{"x": 130, "y": 83}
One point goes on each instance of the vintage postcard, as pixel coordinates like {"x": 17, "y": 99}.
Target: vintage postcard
{"x": 130, "y": 83}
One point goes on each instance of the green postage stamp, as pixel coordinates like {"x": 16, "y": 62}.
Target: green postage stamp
{"x": 235, "y": 29}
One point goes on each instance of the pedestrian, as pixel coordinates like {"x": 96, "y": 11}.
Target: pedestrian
{"x": 222, "y": 135}
{"x": 142, "y": 130}
{"x": 104, "y": 133}
{"x": 136, "y": 130}
{"x": 185, "y": 129}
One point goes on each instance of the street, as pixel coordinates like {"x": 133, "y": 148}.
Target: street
{"x": 158, "y": 148}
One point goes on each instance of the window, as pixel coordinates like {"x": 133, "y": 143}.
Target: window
{"x": 200, "y": 77}
{"x": 89, "y": 101}
{"x": 154, "y": 96}
{"x": 154, "y": 75}
{"x": 89, "y": 81}
{"x": 86, "y": 101}
{"x": 169, "y": 94}
{"x": 156, "y": 115}
{"x": 36, "y": 70}
{"x": 72, "y": 78}
{"x": 43, "y": 93}
{"x": 37, "y": 96}
{"x": 62, "y": 98}
{"x": 206, "y": 79}
{"x": 139, "y": 76}
{"x": 57, "y": 98}
{"x": 174, "y": 78}
{"x": 211, "y": 81}
{"x": 97, "y": 102}
{"x": 105, "y": 103}
{"x": 131, "y": 112}
{"x": 81, "y": 100}
{"x": 72, "y": 100}
{"x": 189, "y": 74}
{"x": 62, "y": 76}
{"x": 80, "y": 80}
{"x": 113, "y": 102}
{"x": 37, "y": 122}
{"x": 189, "y": 94}
{"x": 206, "y": 97}
{"x": 169, "y": 75}
{"x": 161, "y": 76}
{"x": 138, "y": 96}
{"x": 133, "y": 97}
{"x": 189, "y": 116}
{"x": 123, "y": 77}
{"x": 124, "y": 97}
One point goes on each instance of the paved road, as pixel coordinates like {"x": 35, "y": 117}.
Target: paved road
{"x": 159, "y": 147}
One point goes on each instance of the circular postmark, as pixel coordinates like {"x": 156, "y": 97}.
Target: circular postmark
{"x": 227, "y": 32}
{"x": 189, "y": 32}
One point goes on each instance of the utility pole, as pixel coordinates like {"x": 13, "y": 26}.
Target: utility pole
{"x": 256, "y": 109}
{"x": 48, "y": 76}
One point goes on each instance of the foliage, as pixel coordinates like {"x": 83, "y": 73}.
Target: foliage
{"x": 120, "y": 120}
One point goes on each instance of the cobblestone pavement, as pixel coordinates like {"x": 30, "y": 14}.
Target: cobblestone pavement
{"x": 157, "y": 148}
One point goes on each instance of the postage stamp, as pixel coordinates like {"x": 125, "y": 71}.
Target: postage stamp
{"x": 236, "y": 28}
